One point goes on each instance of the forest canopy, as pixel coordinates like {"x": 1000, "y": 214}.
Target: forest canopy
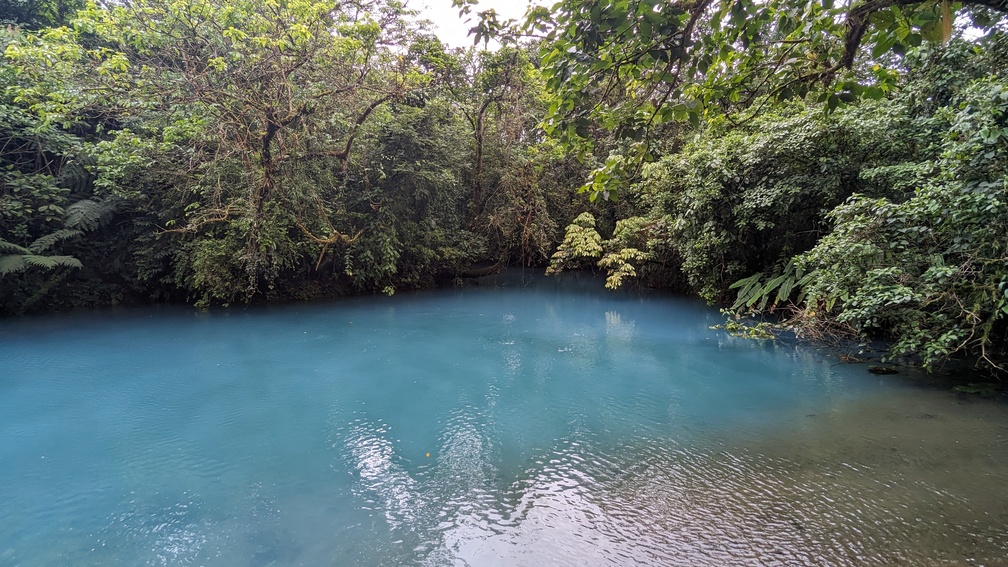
{"x": 839, "y": 167}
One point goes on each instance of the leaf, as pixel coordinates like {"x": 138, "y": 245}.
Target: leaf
{"x": 745, "y": 282}
{"x": 772, "y": 284}
{"x": 932, "y": 31}
{"x": 89, "y": 214}
{"x": 12, "y": 263}
{"x": 832, "y": 102}
{"x": 11, "y": 247}
{"x": 785, "y": 290}
{"x": 882, "y": 18}
{"x": 748, "y": 285}
{"x": 48, "y": 240}
{"x": 874, "y": 93}
{"x": 882, "y": 46}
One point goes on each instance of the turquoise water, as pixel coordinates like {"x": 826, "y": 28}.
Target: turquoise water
{"x": 547, "y": 424}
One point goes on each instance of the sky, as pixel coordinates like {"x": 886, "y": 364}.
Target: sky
{"x": 453, "y": 30}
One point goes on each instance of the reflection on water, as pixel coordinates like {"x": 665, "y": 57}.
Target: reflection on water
{"x": 521, "y": 426}
{"x": 867, "y": 484}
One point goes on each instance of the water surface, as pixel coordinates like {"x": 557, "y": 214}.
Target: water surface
{"x": 519, "y": 425}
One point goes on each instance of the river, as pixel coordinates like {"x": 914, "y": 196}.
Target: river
{"x": 513, "y": 423}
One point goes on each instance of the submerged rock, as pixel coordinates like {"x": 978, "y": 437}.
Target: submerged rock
{"x": 882, "y": 370}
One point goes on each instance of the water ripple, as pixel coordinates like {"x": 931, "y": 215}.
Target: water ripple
{"x": 525, "y": 428}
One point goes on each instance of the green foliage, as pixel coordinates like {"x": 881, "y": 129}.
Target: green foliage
{"x": 731, "y": 201}
{"x": 411, "y": 205}
{"x": 930, "y": 271}
{"x": 760, "y": 330}
{"x": 500, "y": 94}
{"x": 618, "y": 265}
{"x": 581, "y": 242}
{"x": 42, "y": 170}
{"x": 19, "y": 258}
{"x": 843, "y": 164}
{"x": 223, "y": 100}
{"x": 633, "y": 250}
{"x": 627, "y": 66}
{"x": 743, "y": 199}
{"x": 91, "y": 214}
{"x": 618, "y": 255}
{"x": 520, "y": 224}
{"x": 221, "y": 152}
{"x": 34, "y": 14}
{"x": 756, "y": 292}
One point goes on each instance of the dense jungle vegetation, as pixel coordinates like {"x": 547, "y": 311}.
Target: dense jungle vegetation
{"x": 839, "y": 167}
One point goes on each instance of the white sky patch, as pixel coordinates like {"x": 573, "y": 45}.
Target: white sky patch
{"x": 455, "y": 31}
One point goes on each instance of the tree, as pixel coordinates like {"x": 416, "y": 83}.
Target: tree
{"x": 500, "y": 96}
{"x": 410, "y": 200}
{"x": 735, "y": 200}
{"x": 926, "y": 263}
{"x": 630, "y": 65}
{"x": 490, "y": 85}
{"x": 35, "y": 14}
{"x": 635, "y": 62}
{"x": 228, "y": 102}
{"x": 40, "y": 170}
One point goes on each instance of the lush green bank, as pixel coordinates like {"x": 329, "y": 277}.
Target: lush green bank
{"x": 882, "y": 220}
{"x": 845, "y": 166}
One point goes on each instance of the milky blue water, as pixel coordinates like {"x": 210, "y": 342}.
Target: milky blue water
{"x": 542, "y": 424}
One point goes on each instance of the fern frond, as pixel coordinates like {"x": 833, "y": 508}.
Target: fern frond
{"x": 11, "y": 247}
{"x": 69, "y": 262}
{"x": 75, "y": 174}
{"x": 48, "y": 240}
{"x": 11, "y": 264}
{"x": 45, "y": 262}
{"x": 89, "y": 214}
{"x": 50, "y": 262}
